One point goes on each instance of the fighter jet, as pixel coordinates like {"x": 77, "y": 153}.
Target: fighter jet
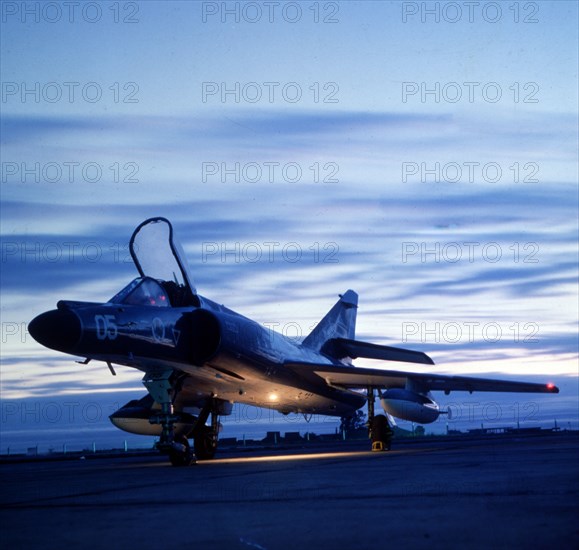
{"x": 199, "y": 357}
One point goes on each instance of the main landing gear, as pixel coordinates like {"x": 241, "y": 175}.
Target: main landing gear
{"x": 379, "y": 431}
{"x": 180, "y": 453}
{"x": 205, "y": 437}
{"x": 164, "y": 388}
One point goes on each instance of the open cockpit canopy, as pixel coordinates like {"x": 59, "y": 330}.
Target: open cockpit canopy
{"x": 160, "y": 259}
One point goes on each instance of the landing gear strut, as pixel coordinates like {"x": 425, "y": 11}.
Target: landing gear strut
{"x": 370, "y": 410}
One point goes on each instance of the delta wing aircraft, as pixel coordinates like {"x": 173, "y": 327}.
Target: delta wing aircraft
{"x": 198, "y": 357}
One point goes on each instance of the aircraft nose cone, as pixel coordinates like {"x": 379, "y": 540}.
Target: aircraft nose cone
{"x": 56, "y": 329}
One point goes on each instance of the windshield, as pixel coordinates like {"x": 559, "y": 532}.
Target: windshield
{"x": 143, "y": 291}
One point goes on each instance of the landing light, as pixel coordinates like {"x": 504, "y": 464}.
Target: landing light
{"x": 273, "y": 396}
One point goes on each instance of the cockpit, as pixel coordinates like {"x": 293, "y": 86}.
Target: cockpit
{"x": 165, "y": 280}
{"x": 146, "y": 291}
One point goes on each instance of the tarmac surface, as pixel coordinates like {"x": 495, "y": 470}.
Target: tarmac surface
{"x": 495, "y": 491}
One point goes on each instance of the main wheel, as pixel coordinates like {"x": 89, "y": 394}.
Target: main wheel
{"x": 181, "y": 458}
{"x": 381, "y": 431}
{"x": 205, "y": 444}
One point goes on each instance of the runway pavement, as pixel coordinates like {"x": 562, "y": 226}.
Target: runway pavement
{"x": 501, "y": 492}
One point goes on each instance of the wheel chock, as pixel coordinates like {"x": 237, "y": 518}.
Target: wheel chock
{"x": 377, "y": 446}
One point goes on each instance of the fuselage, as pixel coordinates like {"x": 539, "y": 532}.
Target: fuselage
{"x": 224, "y": 354}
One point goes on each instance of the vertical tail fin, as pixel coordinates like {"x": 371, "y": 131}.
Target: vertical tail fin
{"x": 339, "y": 322}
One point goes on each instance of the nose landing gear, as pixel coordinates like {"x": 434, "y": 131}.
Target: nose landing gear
{"x": 164, "y": 387}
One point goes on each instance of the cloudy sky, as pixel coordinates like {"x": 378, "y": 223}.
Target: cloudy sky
{"x": 423, "y": 154}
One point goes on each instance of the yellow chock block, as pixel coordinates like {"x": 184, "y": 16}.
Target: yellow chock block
{"x": 377, "y": 446}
